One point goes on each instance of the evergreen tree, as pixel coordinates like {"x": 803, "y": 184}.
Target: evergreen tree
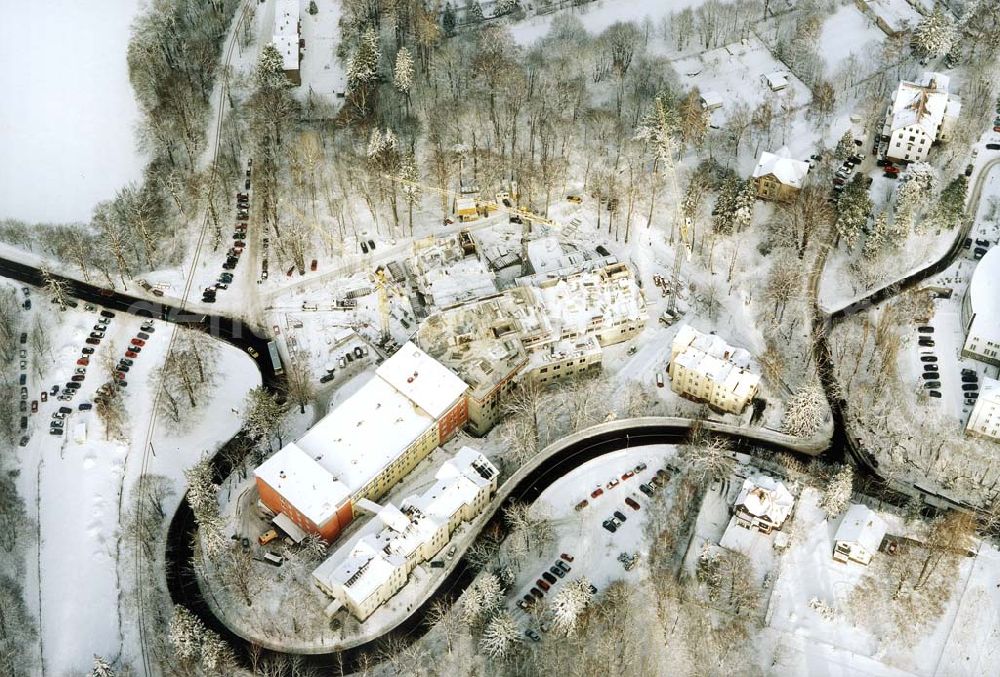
{"x": 743, "y": 206}
{"x": 853, "y": 210}
{"x": 402, "y": 74}
{"x": 838, "y": 492}
{"x": 448, "y": 20}
{"x": 878, "y": 238}
{"x": 101, "y": 668}
{"x": 270, "y": 71}
{"x": 845, "y": 147}
{"x": 950, "y": 208}
{"x": 935, "y": 34}
{"x": 726, "y": 204}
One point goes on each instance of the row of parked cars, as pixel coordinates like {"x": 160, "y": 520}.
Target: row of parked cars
{"x": 357, "y": 353}
{"x": 982, "y": 246}
{"x": 239, "y": 244}
{"x": 56, "y": 425}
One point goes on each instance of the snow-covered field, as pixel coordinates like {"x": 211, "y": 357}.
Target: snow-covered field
{"x": 847, "y": 32}
{"x": 78, "y": 485}
{"x": 67, "y": 125}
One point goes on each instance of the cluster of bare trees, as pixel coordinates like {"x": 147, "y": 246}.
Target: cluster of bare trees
{"x": 188, "y": 372}
{"x": 903, "y": 596}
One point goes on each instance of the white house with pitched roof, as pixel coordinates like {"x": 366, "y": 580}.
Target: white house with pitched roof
{"x": 763, "y": 504}
{"x": 859, "y": 535}
{"x": 921, "y": 113}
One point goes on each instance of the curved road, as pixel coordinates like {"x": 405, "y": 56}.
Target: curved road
{"x": 231, "y": 330}
{"x": 586, "y": 446}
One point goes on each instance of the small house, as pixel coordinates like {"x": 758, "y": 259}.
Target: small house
{"x": 779, "y": 178}
{"x": 859, "y": 535}
{"x": 466, "y": 209}
{"x": 776, "y": 81}
{"x": 763, "y": 504}
{"x": 711, "y": 100}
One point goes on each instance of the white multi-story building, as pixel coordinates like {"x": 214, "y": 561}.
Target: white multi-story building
{"x": 920, "y": 114}
{"x": 984, "y": 421}
{"x": 286, "y": 37}
{"x": 981, "y": 311}
{"x": 705, "y": 368}
{"x": 365, "y": 574}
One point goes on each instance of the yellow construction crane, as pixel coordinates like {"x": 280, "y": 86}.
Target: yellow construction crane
{"x": 527, "y": 217}
{"x": 384, "y": 286}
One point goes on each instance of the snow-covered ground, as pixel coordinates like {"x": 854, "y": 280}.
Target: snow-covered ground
{"x": 847, "y": 32}
{"x": 579, "y": 533}
{"x": 78, "y": 485}
{"x": 68, "y": 123}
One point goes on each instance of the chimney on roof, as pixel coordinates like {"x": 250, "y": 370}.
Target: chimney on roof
{"x": 281, "y": 474}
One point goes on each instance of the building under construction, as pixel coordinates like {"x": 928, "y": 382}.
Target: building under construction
{"x": 545, "y": 332}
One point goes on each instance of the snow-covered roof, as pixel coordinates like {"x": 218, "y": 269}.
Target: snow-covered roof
{"x": 711, "y": 356}
{"x": 776, "y": 80}
{"x": 425, "y": 381}
{"x": 365, "y": 433}
{"x": 786, "y": 170}
{"x": 922, "y": 103}
{"x": 361, "y": 573}
{"x": 304, "y": 483}
{"x": 862, "y": 526}
{"x": 459, "y": 481}
{"x": 983, "y": 288}
{"x": 711, "y": 99}
{"x": 764, "y": 496}
{"x": 985, "y": 416}
{"x": 286, "y": 32}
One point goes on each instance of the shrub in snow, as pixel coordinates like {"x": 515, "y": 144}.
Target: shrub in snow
{"x": 805, "y": 412}
{"x": 838, "y": 492}
{"x": 481, "y": 599}
{"x": 569, "y": 603}
{"x": 101, "y": 668}
{"x": 501, "y": 636}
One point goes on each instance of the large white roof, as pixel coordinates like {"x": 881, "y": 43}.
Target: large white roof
{"x": 788, "y": 171}
{"x": 286, "y": 32}
{"x": 369, "y": 430}
{"x": 304, "y": 483}
{"x": 985, "y": 416}
{"x": 922, "y": 103}
{"x": 861, "y": 525}
{"x": 425, "y": 381}
{"x": 983, "y": 296}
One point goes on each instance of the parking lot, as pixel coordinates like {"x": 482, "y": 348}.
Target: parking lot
{"x": 597, "y": 512}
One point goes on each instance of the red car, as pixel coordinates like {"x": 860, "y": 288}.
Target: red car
{"x": 542, "y": 584}
{"x": 78, "y": 378}
{"x": 632, "y": 504}
{"x": 93, "y": 342}
{"x": 83, "y": 361}
{"x": 313, "y": 265}
{"x": 596, "y": 492}
{"x": 628, "y": 475}
{"x": 131, "y": 355}
{"x": 137, "y": 342}
{"x": 996, "y": 128}
{"x": 889, "y": 169}
{"x": 567, "y": 557}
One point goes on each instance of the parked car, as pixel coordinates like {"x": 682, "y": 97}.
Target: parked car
{"x": 96, "y": 335}
{"x": 969, "y": 378}
{"x": 619, "y": 515}
{"x": 253, "y": 353}
{"x": 609, "y": 525}
{"x": 543, "y": 585}
{"x": 926, "y": 342}
{"x": 137, "y": 342}
{"x": 131, "y": 353}
{"x": 557, "y": 572}
{"x": 925, "y": 329}
{"x": 631, "y": 503}
{"x": 646, "y": 489}
{"x": 931, "y": 375}
{"x": 142, "y": 335}
{"x": 970, "y": 386}
{"x": 934, "y": 393}
{"x": 932, "y": 384}
{"x": 267, "y": 537}
{"x": 86, "y": 406}
{"x": 34, "y": 406}
{"x": 928, "y": 358}
{"x": 562, "y": 565}
{"x": 596, "y": 492}
{"x": 107, "y": 313}
{"x": 612, "y": 483}
{"x": 978, "y": 253}
{"x": 364, "y": 247}
{"x": 659, "y": 379}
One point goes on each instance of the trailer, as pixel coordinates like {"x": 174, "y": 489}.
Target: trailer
{"x": 272, "y": 349}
